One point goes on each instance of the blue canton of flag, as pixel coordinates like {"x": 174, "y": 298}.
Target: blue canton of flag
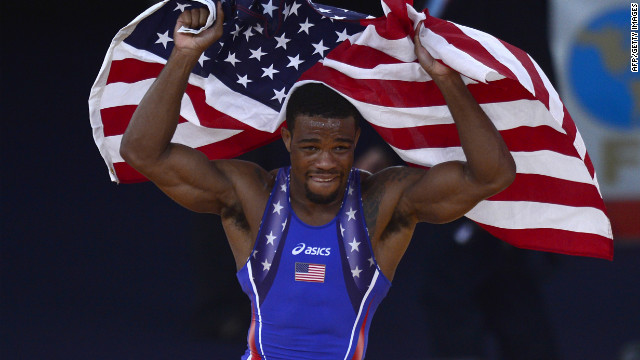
{"x": 265, "y": 47}
{"x": 238, "y": 85}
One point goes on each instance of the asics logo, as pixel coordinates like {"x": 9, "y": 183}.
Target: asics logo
{"x": 310, "y": 250}
{"x": 298, "y": 249}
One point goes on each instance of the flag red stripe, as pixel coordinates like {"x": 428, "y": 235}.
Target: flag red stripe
{"x": 361, "y": 56}
{"x": 393, "y": 93}
{"x": 537, "y": 138}
{"x": 534, "y": 187}
{"x": 570, "y": 127}
{"x": 132, "y": 70}
{"x": 522, "y": 138}
{"x": 225, "y": 149}
{"x": 126, "y": 174}
{"x": 239, "y": 144}
{"x": 116, "y": 119}
{"x": 392, "y": 27}
{"x": 456, "y": 37}
{"x": 542, "y": 93}
{"x": 589, "y": 165}
{"x": 555, "y": 240}
{"x": 209, "y": 116}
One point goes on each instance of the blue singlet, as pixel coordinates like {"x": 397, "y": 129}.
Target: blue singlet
{"x": 313, "y": 289}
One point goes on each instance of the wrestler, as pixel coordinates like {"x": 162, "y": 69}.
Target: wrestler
{"x": 316, "y": 244}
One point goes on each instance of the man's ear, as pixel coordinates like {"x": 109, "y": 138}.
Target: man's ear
{"x": 286, "y": 137}
{"x": 357, "y": 137}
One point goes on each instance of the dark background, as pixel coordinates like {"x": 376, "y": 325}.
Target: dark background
{"x": 95, "y": 270}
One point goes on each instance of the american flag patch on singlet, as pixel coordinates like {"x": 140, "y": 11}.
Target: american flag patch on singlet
{"x": 310, "y": 272}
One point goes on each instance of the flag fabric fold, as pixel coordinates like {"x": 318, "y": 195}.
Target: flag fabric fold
{"x": 237, "y": 93}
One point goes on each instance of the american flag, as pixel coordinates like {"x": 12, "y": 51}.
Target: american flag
{"x": 236, "y": 95}
{"x": 310, "y": 272}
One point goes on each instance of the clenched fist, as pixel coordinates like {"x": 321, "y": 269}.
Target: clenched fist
{"x": 194, "y": 19}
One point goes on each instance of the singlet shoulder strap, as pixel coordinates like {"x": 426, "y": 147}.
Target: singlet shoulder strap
{"x": 265, "y": 258}
{"x": 358, "y": 263}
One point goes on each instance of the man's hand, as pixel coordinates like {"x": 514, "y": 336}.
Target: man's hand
{"x": 193, "y": 19}
{"x": 434, "y": 68}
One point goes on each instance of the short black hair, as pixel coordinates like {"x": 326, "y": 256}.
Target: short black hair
{"x": 315, "y": 99}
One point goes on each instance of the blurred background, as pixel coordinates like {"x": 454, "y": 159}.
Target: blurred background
{"x": 95, "y": 270}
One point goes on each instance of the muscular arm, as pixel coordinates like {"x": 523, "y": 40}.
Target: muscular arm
{"x": 449, "y": 190}
{"x": 183, "y": 173}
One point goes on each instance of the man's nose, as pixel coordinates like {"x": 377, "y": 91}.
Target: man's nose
{"x": 325, "y": 160}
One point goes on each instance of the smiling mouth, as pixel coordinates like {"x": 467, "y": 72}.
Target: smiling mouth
{"x": 322, "y": 183}
{"x": 323, "y": 178}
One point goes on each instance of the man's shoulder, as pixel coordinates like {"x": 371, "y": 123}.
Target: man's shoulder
{"x": 364, "y": 174}
{"x": 388, "y": 176}
{"x": 244, "y": 173}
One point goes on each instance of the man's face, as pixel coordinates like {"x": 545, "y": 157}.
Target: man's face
{"x": 321, "y": 155}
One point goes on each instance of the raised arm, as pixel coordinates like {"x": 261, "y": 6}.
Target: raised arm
{"x": 449, "y": 190}
{"x": 183, "y": 173}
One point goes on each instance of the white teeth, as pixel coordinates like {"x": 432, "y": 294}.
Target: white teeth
{"x": 322, "y": 180}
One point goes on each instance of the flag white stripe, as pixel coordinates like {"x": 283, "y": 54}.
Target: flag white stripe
{"x": 256, "y": 114}
{"x": 125, "y": 51}
{"x": 505, "y": 115}
{"x": 579, "y": 145}
{"x": 414, "y": 15}
{"x": 513, "y": 114}
{"x": 430, "y": 156}
{"x": 401, "y": 49}
{"x": 543, "y": 162}
{"x": 121, "y": 94}
{"x": 186, "y": 133}
{"x": 402, "y": 71}
{"x": 556, "y": 108}
{"x": 238, "y": 106}
{"x": 459, "y": 60}
{"x": 196, "y": 136}
{"x": 549, "y": 163}
{"x": 531, "y": 215}
{"x": 501, "y": 54}
{"x": 412, "y": 72}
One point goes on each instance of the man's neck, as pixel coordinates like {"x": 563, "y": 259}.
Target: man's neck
{"x": 310, "y": 212}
